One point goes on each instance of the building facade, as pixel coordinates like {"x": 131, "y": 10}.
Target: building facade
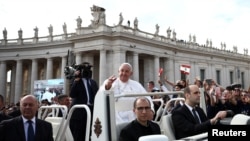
{"x": 106, "y": 47}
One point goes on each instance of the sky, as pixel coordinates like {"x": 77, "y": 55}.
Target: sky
{"x": 221, "y": 21}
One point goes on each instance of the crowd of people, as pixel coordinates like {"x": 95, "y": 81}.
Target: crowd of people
{"x": 221, "y": 102}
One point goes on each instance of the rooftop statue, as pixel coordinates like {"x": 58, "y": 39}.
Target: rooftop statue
{"x": 50, "y": 28}
{"x": 168, "y": 33}
{"x": 211, "y": 44}
{"x": 194, "y": 38}
{"x": 5, "y": 34}
{"x": 136, "y": 23}
{"x": 64, "y": 28}
{"x": 121, "y": 19}
{"x": 174, "y": 35}
{"x": 36, "y": 32}
{"x": 20, "y": 33}
{"x": 79, "y": 22}
{"x": 157, "y": 29}
{"x": 99, "y": 16}
{"x": 207, "y": 43}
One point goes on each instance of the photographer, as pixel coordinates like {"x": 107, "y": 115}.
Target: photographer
{"x": 83, "y": 91}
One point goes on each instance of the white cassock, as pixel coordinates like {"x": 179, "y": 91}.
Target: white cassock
{"x": 48, "y": 95}
{"x": 118, "y": 87}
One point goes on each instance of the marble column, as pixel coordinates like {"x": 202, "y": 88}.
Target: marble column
{"x": 34, "y": 74}
{"x": 66, "y": 83}
{"x": 170, "y": 70}
{"x": 119, "y": 57}
{"x": 103, "y": 66}
{"x": 12, "y": 84}
{"x": 78, "y": 58}
{"x": 135, "y": 66}
{"x": 49, "y": 70}
{"x": 3, "y": 78}
{"x": 156, "y": 68}
{"x": 18, "y": 81}
{"x": 63, "y": 65}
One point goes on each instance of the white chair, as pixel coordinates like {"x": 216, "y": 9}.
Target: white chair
{"x": 240, "y": 119}
{"x": 167, "y": 127}
{"x": 153, "y": 138}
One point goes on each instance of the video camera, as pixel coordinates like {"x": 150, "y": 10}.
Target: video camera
{"x": 84, "y": 68}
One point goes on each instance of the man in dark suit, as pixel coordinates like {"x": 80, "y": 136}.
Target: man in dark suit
{"x": 83, "y": 91}
{"x": 188, "y": 122}
{"x": 141, "y": 126}
{"x": 17, "y": 129}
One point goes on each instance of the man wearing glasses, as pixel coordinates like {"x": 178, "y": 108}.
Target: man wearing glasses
{"x": 141, "y": 126}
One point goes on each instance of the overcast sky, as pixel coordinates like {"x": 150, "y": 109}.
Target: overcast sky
{"x": 224, "y": 21}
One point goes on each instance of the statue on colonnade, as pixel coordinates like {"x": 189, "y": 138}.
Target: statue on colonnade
{"x": 190, "y": 38}
{"x": 136, "y": 23}
{"x": 235, "y": 49}
{"x": 5, "y": 34}
{"x": 157, "y": 27}
{"x": 64, "y": 28}
{"x": 79, "y": 22}
{"x": 168, "y": 33}
{"x": 207, "y": 43}
{"x": 99, "y": 16}
{"x": 20, "y": 33}
{"x": 121, "y": 19}
{"x": 210, "y": 42}
{"x": 174, "y": 35}
{"x": 194, "y": 38}
{"x": 245, "y": 51}
{"x": 36, "y": 32}
{"x": 50, "y": 28}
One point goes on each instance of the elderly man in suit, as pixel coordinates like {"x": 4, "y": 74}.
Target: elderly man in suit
{"x": 190, "y": 119}
{"x": 26, "y": 127}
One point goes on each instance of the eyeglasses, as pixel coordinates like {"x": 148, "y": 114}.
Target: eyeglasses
{"x": 143, "y": 108}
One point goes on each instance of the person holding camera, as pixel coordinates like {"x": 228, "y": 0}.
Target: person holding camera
{"x": 83, "y": 91}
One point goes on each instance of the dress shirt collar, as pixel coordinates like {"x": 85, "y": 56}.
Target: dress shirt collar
{"x": 25, "y": 120}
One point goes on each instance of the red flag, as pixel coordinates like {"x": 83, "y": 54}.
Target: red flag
{"x": 185, "y": 69}
{"x": 160, "y": 71}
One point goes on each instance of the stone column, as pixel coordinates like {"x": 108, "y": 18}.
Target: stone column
{"x": 103, "y": 66}
{"x": 135, "y": 66}
{"x": 49, "y": 70}
{"x": 156, "y": 68}
{"x": 169, "y": 70}
{"x": 18, "y": 81}
{"x": 78, "y": 58}
{"x": 63, "y": 65}
{"x": 12, "y": 84}
{"x": 34, "y": 73}
{"x": 3, "y": 78}
{"x": 119, "y": 57}
{"x": 66, "y": 83}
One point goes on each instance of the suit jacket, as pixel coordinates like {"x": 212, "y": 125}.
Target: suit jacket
{"x": 13, "y": 130}
{"x": 134, "y": 130}
{"x": 184, "y": 122}
{"x": 79, "y": 95}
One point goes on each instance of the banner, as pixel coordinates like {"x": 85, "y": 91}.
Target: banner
{"x": 185, "y": 69}
{"x": 47, "y": 89}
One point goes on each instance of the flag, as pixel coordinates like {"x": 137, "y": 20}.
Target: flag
{"x": 160, "y": 71}
{"x": 185, "y": 69}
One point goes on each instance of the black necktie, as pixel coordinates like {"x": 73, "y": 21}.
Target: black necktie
{"x": 195, "y": 116}
{"x": 90, "y": 91}
{"x": 31, "y": 133}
